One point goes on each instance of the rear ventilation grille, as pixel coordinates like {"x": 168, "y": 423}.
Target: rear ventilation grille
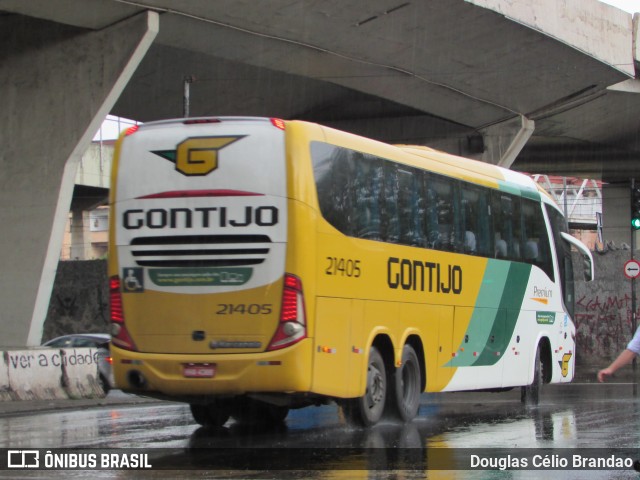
{"x": 200, "y": 250}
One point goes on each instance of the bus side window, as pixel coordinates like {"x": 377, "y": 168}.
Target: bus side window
{"x": 448, "y": 238}
{"x": 390, "y": 224}
{"x": 563, "y": 250}
{"x": 411, "y": 208}
{"x": 507, "y": 226}
{"x": 469, "y": 221}
{"x": 485, "y": 245}
{"x": 367, "y": 188}
{"x": 332, "y": 172}
{"x": 536, "y": 250}
{"x": 516, "y": 228}
{"x": 458, "y": 239}
{"x": 499, "y": 241}
{"x": 430, "y": 212}
{"x": 475, "y": 221}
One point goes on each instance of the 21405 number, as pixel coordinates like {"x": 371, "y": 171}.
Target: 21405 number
{"x": 244, "y": 309}
{"x": 344, "y": 267}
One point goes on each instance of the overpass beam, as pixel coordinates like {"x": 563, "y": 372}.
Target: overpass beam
{"x": 57, "y": 83}
{"x": 505, "y": 140}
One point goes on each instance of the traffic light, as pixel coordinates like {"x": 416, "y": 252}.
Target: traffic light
{"x": 635, "y": 207}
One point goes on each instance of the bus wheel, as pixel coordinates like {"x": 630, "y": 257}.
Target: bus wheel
{"x": 407, "y": 385}
{"x": 367, "y": 410}
{"x": 213, "y": 414}
{"x": 530, "y": 394}
{"x": 251, "y": 411}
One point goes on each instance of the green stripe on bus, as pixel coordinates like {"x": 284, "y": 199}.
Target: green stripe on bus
{"x": 484, "y": 313}
{"x": 510, "y": 304}
{"x": 531, "y": 194}
{"x": 492, "y": 323}
{"x": 524, "y": 192}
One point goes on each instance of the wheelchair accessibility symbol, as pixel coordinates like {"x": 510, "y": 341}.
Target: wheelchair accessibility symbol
{"x": 133, "y": 280}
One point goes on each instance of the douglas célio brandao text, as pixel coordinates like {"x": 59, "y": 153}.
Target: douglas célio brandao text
{"x": 549, "y": 461}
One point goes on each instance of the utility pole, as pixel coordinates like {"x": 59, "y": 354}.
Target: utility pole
{"x": 186, "y": 100}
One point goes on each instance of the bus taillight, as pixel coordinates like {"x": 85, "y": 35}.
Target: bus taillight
{"x": 278, "y": 123}
{"x": 292, "y": 327}
{"x": 119, "y": 335}
{"x": 131, "y": 130}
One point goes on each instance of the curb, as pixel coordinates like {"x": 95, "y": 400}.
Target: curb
{"x": 115, "y": 398}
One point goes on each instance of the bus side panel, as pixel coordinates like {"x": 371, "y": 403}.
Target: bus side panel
{"x": 432, "y": 323}
{"x": 343, "y": 326}
{"x": 563, "y": 350}
{"x": 481, "y": 331}
{"x": 336, "y": 371}
{"x": 520, "y": 356}
{"x": 353, "y": 325}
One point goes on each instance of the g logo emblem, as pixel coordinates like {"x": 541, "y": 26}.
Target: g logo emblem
{"x": 199, "y": 155}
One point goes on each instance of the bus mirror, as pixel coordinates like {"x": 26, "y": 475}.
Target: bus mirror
{"x": 587, "y": 258}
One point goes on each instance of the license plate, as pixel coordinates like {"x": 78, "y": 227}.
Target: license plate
{"x": 199, "y": 370}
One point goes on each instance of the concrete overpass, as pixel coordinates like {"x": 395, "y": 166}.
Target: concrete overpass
{"x": 544, "y": 86}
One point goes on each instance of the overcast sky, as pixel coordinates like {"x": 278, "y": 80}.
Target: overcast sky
{"x": 626, "y": 5}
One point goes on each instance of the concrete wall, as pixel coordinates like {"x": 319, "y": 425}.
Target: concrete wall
{"x": 80, "y": 304}
{"x": 95, "y": 166}
{"x": 603, "y": 311}
{"x": 46, "y": 373}
{"x": 79, "y": 301}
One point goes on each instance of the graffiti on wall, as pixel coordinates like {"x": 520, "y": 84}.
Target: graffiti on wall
{"x": 603, "y": 323}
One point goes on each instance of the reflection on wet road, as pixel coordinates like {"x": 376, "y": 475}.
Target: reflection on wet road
{"x": 578, "y": 417}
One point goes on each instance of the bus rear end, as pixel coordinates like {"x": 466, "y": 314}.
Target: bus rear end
{"x": 202, "y": 305}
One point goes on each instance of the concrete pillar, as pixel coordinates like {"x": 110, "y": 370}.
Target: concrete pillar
{"x": 57, "y": 83}
{"x": 80, "y": 234}
{"x": 616, "y": 215}
{"x": 504, "y": 141}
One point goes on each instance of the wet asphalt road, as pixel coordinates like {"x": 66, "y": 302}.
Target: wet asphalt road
{"x": 316, "y": 442}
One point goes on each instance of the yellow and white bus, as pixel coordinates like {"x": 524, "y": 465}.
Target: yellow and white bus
{"x": 258, "y": 265}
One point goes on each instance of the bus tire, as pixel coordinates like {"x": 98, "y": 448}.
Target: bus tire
{"x": 367, "y": 410}
{"x": 530, "y": 394}
{"x": 212, "y": 415}
{"x": 407, "y": 386}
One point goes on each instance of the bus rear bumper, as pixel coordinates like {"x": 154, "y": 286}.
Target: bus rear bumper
{"x": 180, "y": 375}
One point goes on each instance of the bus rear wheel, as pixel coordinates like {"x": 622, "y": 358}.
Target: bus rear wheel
{"x": 407, "y": 386}
{"x": 367, "y": 410}
{"x": 214, "y": 414}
